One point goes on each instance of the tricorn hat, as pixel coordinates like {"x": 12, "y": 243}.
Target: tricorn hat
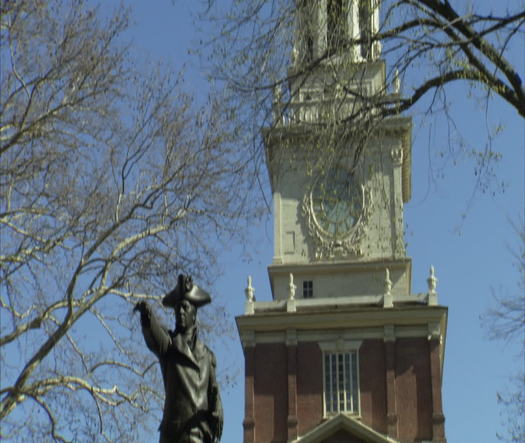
{"x": 186, "y": 290}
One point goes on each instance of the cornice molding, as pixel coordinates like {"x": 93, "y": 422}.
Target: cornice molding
{"x": 343, "y": 265}
{"x": 340, "y": 344}
{"x": 345, "y": 319}
{"x": 326, "y": 336}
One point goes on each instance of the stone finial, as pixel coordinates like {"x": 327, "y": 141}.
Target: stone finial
{"x": 388, "y": 300}
{"x": 250, "y": 297}
{"x": 250, "y": 291}
{"x": 396, "y": 83}
{"x": 432, "y": 280}
{"x": 277, "y": 93}
{"x": 290, "y": 303}
{"x": 276, "y": 103}
{"x": 432, "y": 284}
{"x": 291, "y": 288}
{"x": 295, "y": 55}
{"x": 388, "y": 282}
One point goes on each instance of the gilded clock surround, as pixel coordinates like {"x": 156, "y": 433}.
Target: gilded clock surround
{"x": 337, "y": 202}
{"x": 344, "y": 243}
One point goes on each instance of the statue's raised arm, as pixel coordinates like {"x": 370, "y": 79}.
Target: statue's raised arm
{"x": 192, "y": 408}
{"x": 156, "y": 336}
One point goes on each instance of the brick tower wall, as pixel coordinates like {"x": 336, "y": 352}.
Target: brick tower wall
{"x": 412, "y": 386}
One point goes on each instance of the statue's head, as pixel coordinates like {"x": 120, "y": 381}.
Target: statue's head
{"x": 186, "y": 298}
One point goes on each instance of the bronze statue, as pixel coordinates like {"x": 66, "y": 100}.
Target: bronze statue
{"x": 192, "y": 408}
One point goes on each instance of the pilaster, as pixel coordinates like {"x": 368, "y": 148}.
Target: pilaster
{"x": 249, "y": 400}
{"x": 398, "y": 242}
{"x": 291, "y": 344}
{"x": 277, "y": 255}
{"x": 390, "y": 375}
{"x": 438, "y": 419}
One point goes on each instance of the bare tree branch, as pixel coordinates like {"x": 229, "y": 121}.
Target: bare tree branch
{"x": 112, "y": 181}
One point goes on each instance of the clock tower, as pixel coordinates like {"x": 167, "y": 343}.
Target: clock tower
{"x": 344, "y": 352}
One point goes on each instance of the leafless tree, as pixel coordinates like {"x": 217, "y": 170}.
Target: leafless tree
{"x": 505, "y": 322}
{"x": 111, "y": 182}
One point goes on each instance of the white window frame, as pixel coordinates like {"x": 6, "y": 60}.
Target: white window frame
{"x": 308, "y": 289}
{"x": 345, "y": 402}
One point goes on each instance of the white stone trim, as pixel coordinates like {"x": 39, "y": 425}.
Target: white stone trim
{"x": 338, "y": 266}
{"x": 390, "y": 333}
{"x": 347, "y": 423}
{"x": 348, "y": 338}
{"x": 248, "y": 338}
{"x": 388, "y": 299}
{"x": 349, "y": 300}
{"x": 338, "y": 319}
{"x": 340, "y": 345}
{"x": 277, "y": 220}
{"x": 291, "y": 337}
{"x": 434, "y": 331}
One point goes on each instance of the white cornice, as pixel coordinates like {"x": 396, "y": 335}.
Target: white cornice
{"x": 340, "y": 344}
{"x": 251, "y": 338}
{"x": 355, "y": 301}
{"x": 346, "y": 319}
{"x": 335, "y": 266}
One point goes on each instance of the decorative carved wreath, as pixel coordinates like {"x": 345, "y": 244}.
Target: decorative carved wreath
{"x": 330, "y": 246}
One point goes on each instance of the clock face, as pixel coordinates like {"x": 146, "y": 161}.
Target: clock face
{"x": 337, "y": 202}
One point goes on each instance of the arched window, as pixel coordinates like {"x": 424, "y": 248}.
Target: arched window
{"x": 336, "y": 26}
{"x": 307, "y": 29}
{"x": 365, "y": 28}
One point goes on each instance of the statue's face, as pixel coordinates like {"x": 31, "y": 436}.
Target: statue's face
{"x": 185, "y": 314}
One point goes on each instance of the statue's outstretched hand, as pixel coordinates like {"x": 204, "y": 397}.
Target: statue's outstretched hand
{"x": 144, "y": 310}
{"x": 140, "y": 306}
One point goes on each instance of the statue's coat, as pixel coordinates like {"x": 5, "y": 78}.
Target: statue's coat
{"x": 192, "y": 394}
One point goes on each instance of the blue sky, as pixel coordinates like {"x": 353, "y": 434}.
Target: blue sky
{"x": 472, "y": 255}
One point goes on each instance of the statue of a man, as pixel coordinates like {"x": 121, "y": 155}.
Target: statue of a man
{"x": 192, "y": 408}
